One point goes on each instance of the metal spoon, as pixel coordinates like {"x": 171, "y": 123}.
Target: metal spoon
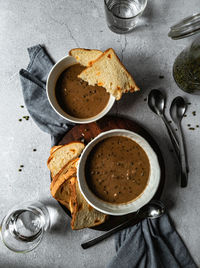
{"x": 177, "y": 111}
{"x": 153, "y": 210}
{"x": 156, "y": 102}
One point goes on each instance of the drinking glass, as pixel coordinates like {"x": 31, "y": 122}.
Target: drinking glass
{"x": 23, "y": 227}
{"x": 123, "y": 15}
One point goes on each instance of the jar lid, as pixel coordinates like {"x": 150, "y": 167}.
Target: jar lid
{"x": 186, "y": 27}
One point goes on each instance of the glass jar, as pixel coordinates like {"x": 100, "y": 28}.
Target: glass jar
{"x": 186, "y": 68}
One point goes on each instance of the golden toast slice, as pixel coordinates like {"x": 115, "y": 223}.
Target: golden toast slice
{"x": 60, "y": 188}
{"x": 107, "y": 71}
{"x": 83, "y": 215}
{"x": 61, "y": 156}
{"x": 85, "y": 56}
{"x": 72, "y": 164}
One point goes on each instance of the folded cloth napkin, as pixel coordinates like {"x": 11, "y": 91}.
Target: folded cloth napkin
{"x": 151, "y": 243}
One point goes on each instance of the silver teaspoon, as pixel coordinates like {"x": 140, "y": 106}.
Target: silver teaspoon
{"x": 177, "y": 111}
{"x": 153, "y": 210}
{"x": 156, "y": 102}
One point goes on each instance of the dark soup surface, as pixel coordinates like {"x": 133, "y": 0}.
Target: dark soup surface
{"x": 117, "y": 170}
{"x": 76, "y": 97}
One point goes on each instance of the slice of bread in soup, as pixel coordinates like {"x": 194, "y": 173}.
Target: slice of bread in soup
{"x": 61, "y": 156}
{"x": 85, "y": 56}
{"x": 83, "y": 215}
{"x": 107, "y": 71}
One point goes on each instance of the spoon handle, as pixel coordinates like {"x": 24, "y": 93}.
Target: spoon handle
{"x": 112, "y": 231}
{"x": 184, "y": 169}
{"x": 172, "y": 137}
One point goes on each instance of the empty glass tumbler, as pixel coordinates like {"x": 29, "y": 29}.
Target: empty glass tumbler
{"x": 23, "y": 227}
{"x": 123, "y": 15}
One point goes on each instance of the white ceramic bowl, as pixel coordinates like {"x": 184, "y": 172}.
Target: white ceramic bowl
{"x": 55, "y": 72}
{"x": 143, "y": 199}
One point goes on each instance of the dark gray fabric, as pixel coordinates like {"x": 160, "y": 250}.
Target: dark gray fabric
{"x": 152, "y": 243}
{"x": 33, "y": 81}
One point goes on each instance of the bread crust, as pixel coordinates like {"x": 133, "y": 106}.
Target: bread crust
{"x": 117, "y": 91}
{"x": 64, "y": 170}
{"x": 85, "y": 56}
{"x": 63, "y": 155}
{"x": 54, "y": 148}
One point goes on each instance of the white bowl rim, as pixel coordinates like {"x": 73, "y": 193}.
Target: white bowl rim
{"x": 62, "y": 113}
{"x": 143, "y": 199}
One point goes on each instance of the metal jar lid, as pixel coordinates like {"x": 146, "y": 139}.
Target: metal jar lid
{"x": 186, "y": 27}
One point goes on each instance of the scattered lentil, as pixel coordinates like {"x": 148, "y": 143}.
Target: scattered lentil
{"x": 26, "y": 117}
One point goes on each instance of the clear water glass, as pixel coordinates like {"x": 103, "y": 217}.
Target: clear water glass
{"x": 122, "y": 15}
{"x": 22, "y": 229}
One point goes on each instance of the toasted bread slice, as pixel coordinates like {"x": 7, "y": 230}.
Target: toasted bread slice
{"x": 60, "y": 157}
{"x": 60, "y": 189}
{"x": 85, "y": 56}
{"x": 83, "y": 215}
{"x": 109, "y": 72}
{"x": 55, "y": 148}
{"x": 73, "y": 163}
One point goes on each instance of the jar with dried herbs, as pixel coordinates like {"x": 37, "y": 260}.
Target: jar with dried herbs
{"x": 186, "y": 68}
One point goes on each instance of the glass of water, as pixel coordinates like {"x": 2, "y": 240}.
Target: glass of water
{"x": 123, "y": 15}
{"x": 23, "y": 227}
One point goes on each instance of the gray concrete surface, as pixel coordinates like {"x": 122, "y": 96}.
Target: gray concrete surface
{"x": 147, "y": 52}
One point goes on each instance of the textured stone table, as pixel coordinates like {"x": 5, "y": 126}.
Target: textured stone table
{"x": 148, "y": 53}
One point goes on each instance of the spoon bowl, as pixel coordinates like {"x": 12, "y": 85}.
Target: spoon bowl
{"x": 156, "y": 102}
{"x": 178, "y": 109}
{"x": 155, "y": 209}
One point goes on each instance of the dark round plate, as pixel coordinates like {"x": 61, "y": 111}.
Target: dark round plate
{"x": 87, "y": 132}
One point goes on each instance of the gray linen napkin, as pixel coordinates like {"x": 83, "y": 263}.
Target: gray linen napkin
{"x": 33, "y": 81}
{"x": 150, "y": 243}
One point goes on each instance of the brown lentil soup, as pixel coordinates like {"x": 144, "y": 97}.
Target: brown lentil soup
{"x": 117, "y": 170}
{"x": 76, "y": 97}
